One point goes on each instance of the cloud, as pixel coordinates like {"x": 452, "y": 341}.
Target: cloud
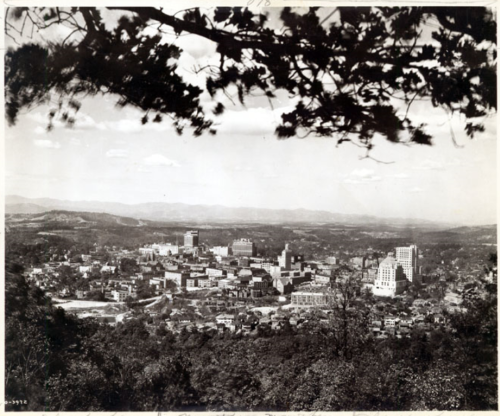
{"x": 160, "y": 160}
{"x": 125, "y": 126}
{"x": 253, "y": 121}
{"x": 47, "y": 144}
{"x": 416, "y": 189}
{"x": 40, "y": 130}
{"x": 130, "y": 124}
{"x": 364, "y": 180}
{"x": 117, "y": 153}
{"x": 360, "y": 176}
{"x": 82, "y": 122}
{"x": 429, "y": 165}
{"x": 362, "y": 173}
{"x": 197, "y": 46}
{"x": 134, "y": 125}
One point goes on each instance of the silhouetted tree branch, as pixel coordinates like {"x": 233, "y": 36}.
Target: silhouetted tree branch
{"x": 347, "y": 71}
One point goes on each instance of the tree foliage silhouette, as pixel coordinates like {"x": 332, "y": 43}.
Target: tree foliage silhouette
{"x": 352, "y": 74}
{"x": 57, "y": 362}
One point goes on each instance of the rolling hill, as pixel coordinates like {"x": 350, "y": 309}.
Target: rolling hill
{"x": 72, "y": 218}
{"x": 178, "y": 212}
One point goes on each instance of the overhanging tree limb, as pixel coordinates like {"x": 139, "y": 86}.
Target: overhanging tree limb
{"x": 373, "y": 55}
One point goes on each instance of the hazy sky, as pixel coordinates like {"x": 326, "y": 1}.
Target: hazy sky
{"x": 109, "y": 156}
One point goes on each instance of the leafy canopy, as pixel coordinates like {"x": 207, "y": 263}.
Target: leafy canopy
{"x": 352, "y": 72}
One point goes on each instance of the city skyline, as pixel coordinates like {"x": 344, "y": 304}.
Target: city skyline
{"x": 321, "y": 238}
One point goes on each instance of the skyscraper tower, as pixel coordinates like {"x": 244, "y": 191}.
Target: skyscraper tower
{"x": 407, "y": 257}
{"x": 390, "y": 279}
{"x": 191, "y": 238}
{"x": 285, "y": 260}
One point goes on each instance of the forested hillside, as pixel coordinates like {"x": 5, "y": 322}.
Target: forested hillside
{"x": 56, "y": 362}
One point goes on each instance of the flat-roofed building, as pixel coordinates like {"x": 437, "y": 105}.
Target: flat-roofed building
{"x": 322, "y": 279}
{"x": 205, "y": 283}
{"x": 119, "y": 295}
{"x": 261, "y": 282}
{"x": 407, "y": 257}
{"x": 262, "y": 265}
{"x": 390, "y": 279}
{"x": 222, "y": 251}
{"x": 213, "y": 272}
{"x": 244, "y": 247}
{"x": 331, "y": 260}
{"x": 194, "y": 281}
{"x": 310, "y": 298}
{"x": 168, "y": 249}
{"x": 225, "y": 319}
{"x": 147, "y": 251}
{"x": 191, "y": 238}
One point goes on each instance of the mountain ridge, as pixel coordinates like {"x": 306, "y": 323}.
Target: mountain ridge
{"x": 176, "y": 211}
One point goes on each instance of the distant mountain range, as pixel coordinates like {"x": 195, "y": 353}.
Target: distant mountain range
{"x": 177, "y": 212}
{"x": 75, "y": 219}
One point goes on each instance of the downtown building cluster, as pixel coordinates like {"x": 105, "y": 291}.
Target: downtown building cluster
{"x": 223, "y": 288}
{"x": 396, "y": 272}
{"x": 238, "y": 271}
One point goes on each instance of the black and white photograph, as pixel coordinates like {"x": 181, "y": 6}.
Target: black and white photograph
{"x": 260, "y": 207}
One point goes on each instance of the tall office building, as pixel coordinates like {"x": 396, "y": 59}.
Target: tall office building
{"x": 390, "y": 279}
{"x": 244, "y": 247}
{"x": 285, "y": 260}
{"x": 407, "y": 257}
{"x": 191, "y": 238}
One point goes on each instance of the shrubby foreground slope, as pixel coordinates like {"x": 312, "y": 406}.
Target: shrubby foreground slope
{"x": 59, "y": 363}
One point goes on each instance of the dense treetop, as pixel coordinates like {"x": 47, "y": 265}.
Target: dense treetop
{"x": 56, "y": 362}
{"x": 351, "y": 73}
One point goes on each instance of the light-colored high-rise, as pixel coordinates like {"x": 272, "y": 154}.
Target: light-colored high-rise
{"x": 390, "y": 279}
{"x": 191, "y": 238}
{"x": 407, "y": 257}
{"x": 285, "y": 260}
